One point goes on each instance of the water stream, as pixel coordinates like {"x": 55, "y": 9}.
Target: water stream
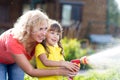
{"x": 106, "y": 59}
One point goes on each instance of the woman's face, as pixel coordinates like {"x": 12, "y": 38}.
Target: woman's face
{"x": 39, "y": 31}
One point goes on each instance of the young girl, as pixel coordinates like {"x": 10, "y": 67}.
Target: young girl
{"x": 49, "y": 54}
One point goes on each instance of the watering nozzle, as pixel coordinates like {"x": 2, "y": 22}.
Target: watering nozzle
{"x": 82, "y": 60}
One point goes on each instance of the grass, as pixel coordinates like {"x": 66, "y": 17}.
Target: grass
{"x": 92, "y": 75}
{"x": 100, "y": 75}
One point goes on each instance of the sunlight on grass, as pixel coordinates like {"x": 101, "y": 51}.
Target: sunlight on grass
{"x": 100, "y": 75}
{"x": 27, "y": 77}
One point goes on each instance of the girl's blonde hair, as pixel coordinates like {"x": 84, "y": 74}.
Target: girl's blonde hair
{"x": 26, "y": 22}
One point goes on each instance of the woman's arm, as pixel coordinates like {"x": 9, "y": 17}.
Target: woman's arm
{"x": 22, "y": 61}
{"x": 50, "y": 63}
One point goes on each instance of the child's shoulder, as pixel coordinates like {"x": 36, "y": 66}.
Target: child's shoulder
{"x": 39, "y": 45}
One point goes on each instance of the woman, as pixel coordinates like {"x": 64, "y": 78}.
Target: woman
{"x": 17, "y": 47}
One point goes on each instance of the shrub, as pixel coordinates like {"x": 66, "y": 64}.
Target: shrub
{"x": 71, "y": 48}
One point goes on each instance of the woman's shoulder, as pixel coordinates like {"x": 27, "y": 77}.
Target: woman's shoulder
{"x": 9, "y": 38}
{"x": 6, "y": 33}
{"x": 5, "y": 36}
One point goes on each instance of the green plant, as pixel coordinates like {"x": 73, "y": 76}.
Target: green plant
{"x": 27, "y": 77}
{"x": 71, "y": 48}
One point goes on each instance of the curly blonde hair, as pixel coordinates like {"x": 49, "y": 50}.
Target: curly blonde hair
{"x": 26, "y": 22}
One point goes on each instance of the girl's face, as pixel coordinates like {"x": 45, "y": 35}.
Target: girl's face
{"x": 39, "y": 31}
{"x": 52, "y": 38}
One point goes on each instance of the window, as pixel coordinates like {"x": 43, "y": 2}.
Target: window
{"x": 66, "y": 14}
{"x": 71, "y": 12}
{"x": 26, "y": 7}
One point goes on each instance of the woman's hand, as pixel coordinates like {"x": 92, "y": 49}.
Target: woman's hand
{"x": 71, "y": 66}
{"x": 66, "y": 72}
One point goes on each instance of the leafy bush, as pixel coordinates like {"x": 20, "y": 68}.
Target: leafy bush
{"x": 71, "y": 48}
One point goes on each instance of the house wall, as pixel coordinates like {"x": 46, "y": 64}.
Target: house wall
{"x": 94, "y": 11}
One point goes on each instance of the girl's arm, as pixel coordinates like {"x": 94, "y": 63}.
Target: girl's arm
{"x": 50, "y": 63}
{"x": 22, "y": 61}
